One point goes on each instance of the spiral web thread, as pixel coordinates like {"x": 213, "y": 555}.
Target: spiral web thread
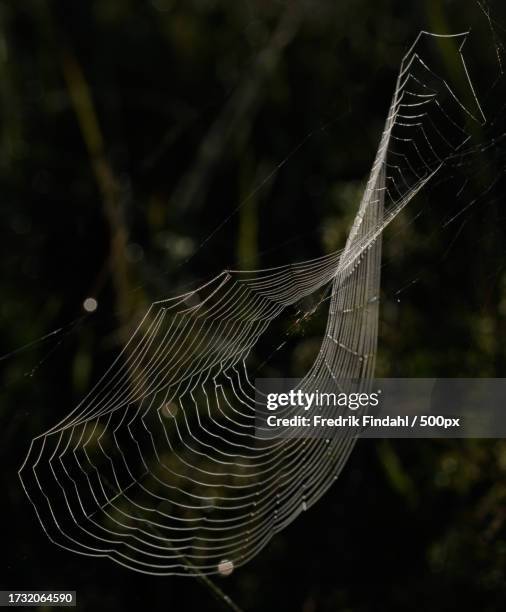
{"x": 158, "y": 467}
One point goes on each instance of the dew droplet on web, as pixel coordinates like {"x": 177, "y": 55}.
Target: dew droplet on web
{"x": 225, "y": 567}
{"x": 90, "y": 304}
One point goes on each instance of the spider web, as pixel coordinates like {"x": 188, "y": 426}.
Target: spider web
{"x": 158, "y": 467}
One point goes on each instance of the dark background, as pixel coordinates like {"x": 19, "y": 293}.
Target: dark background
{"x": 147, "y": 145}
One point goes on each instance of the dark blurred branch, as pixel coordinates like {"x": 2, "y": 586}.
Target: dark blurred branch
{"x": 84, "y": 109}
{"x": 398, "y": 478}
{"x": 239, "y": 108}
